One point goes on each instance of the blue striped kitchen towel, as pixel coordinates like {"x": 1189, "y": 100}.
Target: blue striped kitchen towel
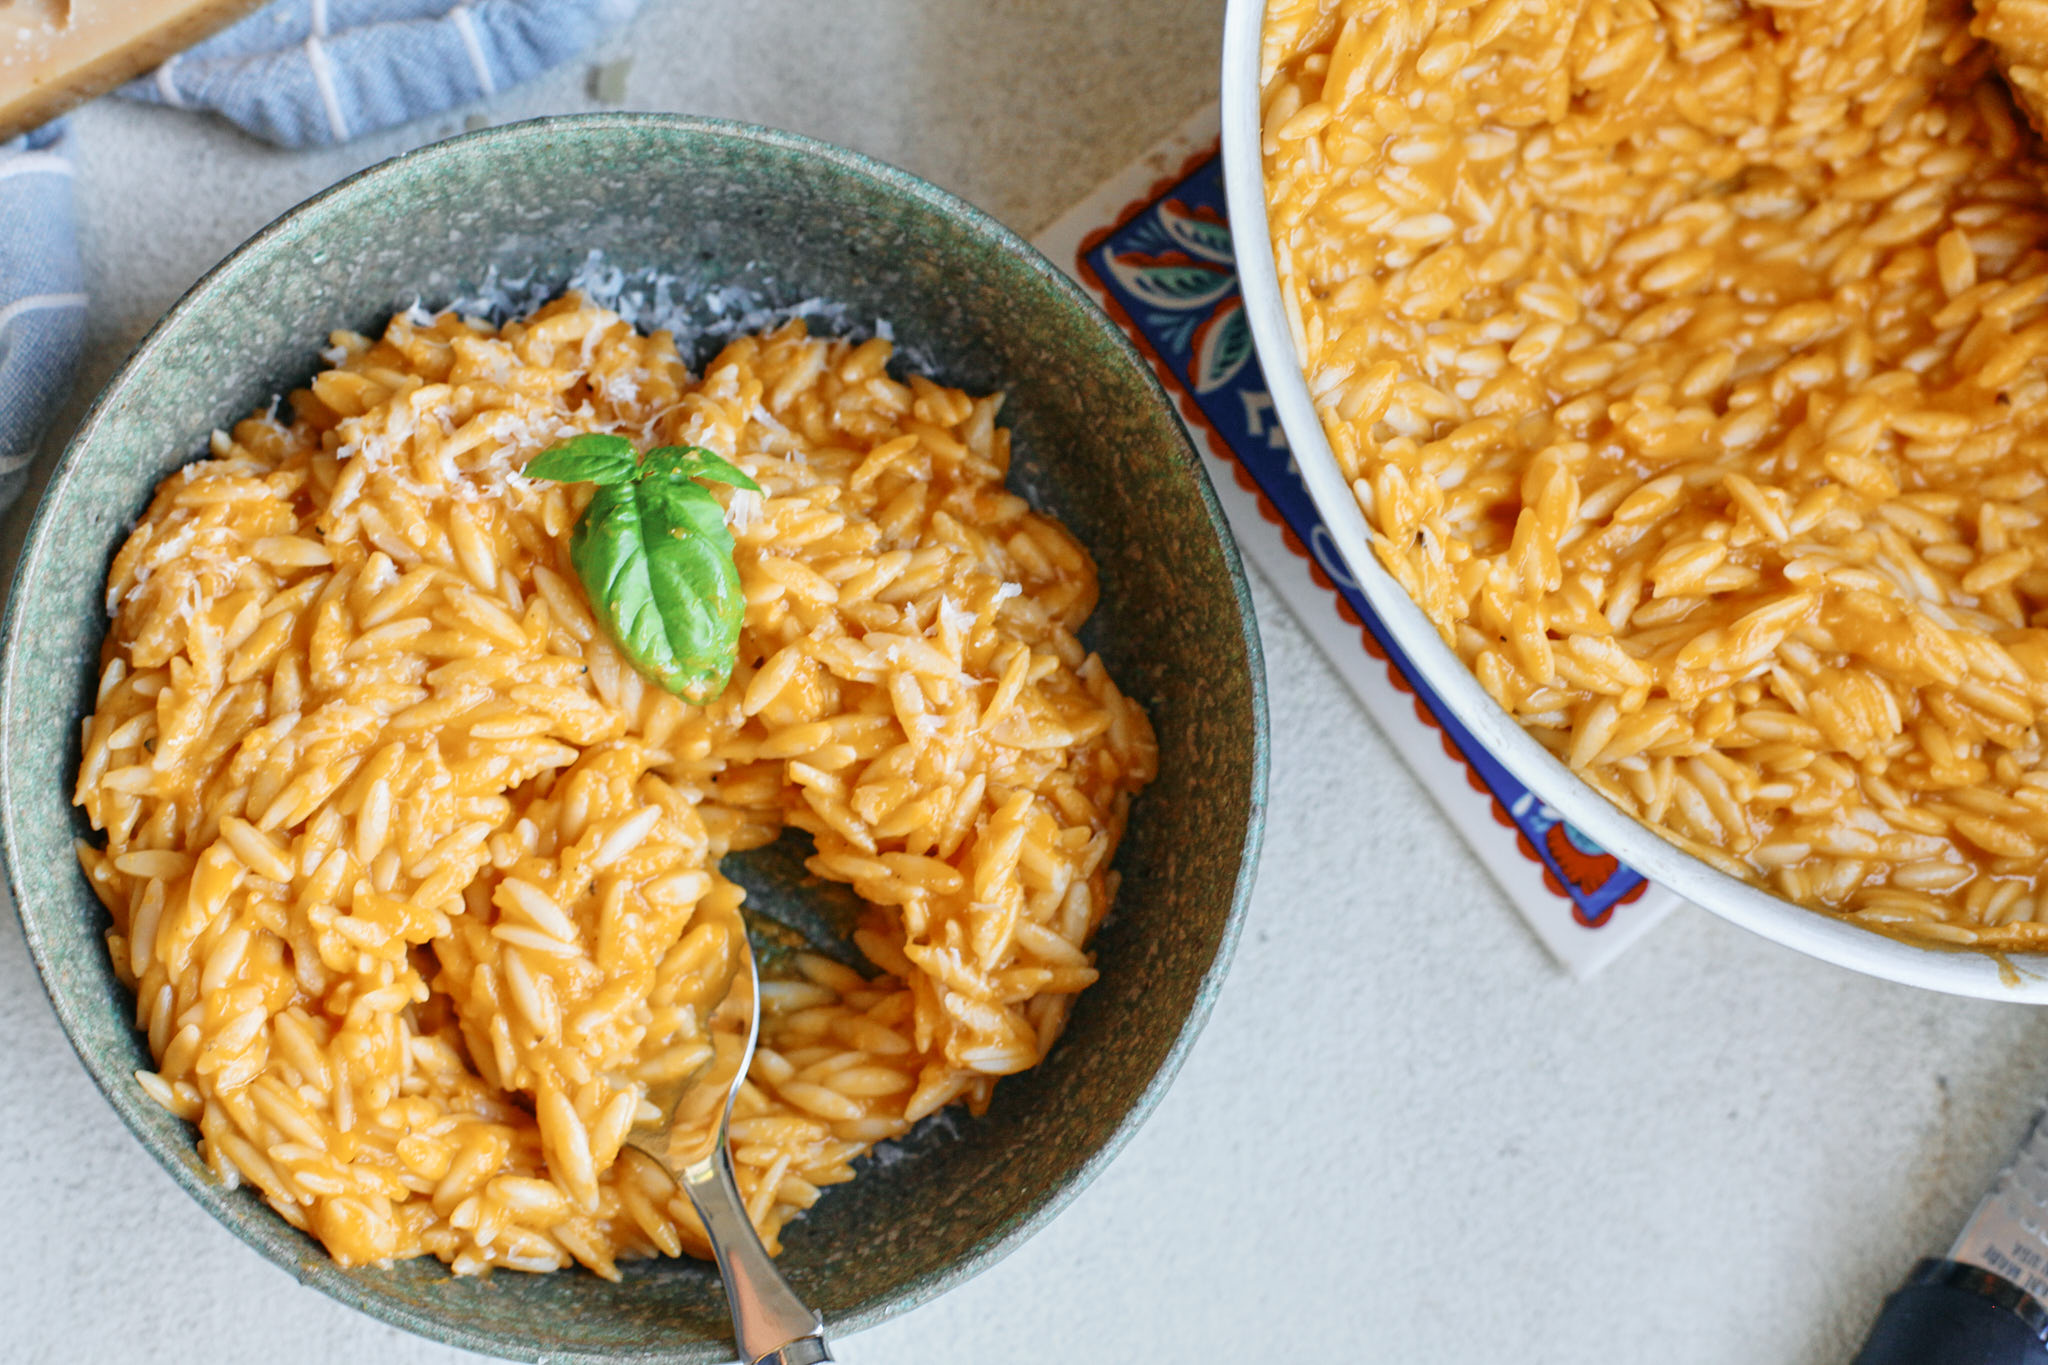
{"x": 42, "y": 300}
{"x": 311, "y": 71}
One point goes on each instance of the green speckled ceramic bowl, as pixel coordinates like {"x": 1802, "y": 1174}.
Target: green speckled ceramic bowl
{"x": 722, "y": 210}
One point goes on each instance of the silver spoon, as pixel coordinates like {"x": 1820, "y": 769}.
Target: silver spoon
{"x": 770, "y": 1323}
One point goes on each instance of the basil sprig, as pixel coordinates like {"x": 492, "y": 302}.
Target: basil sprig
{"x": 655, "y": 556}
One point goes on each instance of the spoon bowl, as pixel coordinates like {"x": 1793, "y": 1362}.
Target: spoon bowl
{"x": 682, "y": 1126}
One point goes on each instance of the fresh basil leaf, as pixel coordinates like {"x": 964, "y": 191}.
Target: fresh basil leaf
{"x": 695, "y": 462}
{"x": 696, "y": 584}
{"x": 655, "y": 557}
{"x": 656, "y": 561}
{"x": 609, "y": 554}
{"x": 597, "y": 458}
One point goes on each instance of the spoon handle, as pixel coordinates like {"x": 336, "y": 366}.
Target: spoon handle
{"x": 770, "y": 1323}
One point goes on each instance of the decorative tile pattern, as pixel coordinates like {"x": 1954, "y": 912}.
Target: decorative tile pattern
{"x": 1154, "y": 246}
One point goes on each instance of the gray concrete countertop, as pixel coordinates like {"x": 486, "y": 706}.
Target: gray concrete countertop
{"x": 1405, "y": 1137}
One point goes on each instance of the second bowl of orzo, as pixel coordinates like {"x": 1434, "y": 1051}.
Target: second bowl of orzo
{"x": 551, "y": 532}
{"x": 1674, "y": 388}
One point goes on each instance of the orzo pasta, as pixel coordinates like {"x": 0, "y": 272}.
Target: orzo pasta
{"x": 403, "y": 859}
{"x": 1687, "y": 360}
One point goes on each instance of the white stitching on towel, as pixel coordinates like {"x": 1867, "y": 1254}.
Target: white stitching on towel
{"x": 167, "y": 87}
{"x": 323, "y": 72}
{"x": 36, "y": 303}
{"x": 466, "y": 26}
{"x": 28, "y": 163}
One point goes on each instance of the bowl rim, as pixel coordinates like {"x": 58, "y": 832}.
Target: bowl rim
{"x": 1984, "y": 975}
{"x": 131, "y": 1104}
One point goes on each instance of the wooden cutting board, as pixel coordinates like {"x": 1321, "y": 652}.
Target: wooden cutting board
{"x": 57, "y": 53}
